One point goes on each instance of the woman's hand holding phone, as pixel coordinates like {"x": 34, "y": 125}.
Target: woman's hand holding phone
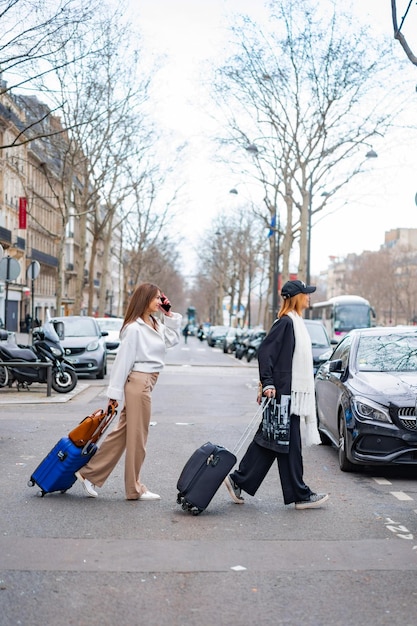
{"x": 165, "y": 305}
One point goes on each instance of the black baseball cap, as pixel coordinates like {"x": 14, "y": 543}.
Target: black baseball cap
{"x": 294, "y": 287}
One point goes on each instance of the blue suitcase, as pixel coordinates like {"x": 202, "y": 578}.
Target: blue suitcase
{"x": 57, "y": 471}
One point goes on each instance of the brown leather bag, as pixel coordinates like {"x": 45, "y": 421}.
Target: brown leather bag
{"x": 92, "y": 427}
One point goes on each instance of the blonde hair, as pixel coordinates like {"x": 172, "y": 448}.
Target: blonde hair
{"x": 296, "y": 303}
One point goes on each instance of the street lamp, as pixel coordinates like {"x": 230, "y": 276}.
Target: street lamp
{"x": 273, "y": 232}
{"x": 275, "y": 286}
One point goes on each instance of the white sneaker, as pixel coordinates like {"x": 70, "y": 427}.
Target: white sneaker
{"x": 87, "y": 485}
{"x": 148, "y": 495}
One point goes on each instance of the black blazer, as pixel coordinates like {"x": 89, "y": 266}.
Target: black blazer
{"x": 275, "y": 356}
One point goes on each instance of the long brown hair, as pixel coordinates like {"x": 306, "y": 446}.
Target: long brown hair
{"x": 292, "y": 304}
{"x": 139, "y": 302}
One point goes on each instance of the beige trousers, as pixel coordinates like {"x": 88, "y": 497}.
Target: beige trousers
{"x": 130, "y": 434}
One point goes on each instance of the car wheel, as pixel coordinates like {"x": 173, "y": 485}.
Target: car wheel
{"x": 344, "y": 463}
{"x": 101, "y": 374}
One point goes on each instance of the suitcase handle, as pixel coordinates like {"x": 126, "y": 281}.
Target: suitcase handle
{"x": 250, "y": 426}
{"x": 103, "y": 426}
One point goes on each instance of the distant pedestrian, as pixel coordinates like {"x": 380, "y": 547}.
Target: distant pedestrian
{"x": 186, "y": 332}
{"x": 140, "y": 358}
{"x": 28, "y": 322}
{"x": 286, "y": 373}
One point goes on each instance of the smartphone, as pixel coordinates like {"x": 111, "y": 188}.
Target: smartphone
{"x": 165, "y": 303}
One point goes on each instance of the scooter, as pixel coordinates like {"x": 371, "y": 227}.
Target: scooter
{"x": 45, "y": 348}
{"x": 254, "y": 345}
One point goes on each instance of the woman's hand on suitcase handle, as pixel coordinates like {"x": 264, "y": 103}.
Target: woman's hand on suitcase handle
{"x": 112, "y": 405}
{"x": 267, "y": 393}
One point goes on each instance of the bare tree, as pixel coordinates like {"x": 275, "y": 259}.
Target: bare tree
{"x": 104, "y": 95}
{"x": 33, "y": 33}
{"x": 398, "y": 35}
{"x": 230, "y": 267}
{"x": 364, "y": 275}
{"x": 303, "y": 97}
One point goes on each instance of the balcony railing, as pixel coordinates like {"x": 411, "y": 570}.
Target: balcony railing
{"x": 5, "y": 235}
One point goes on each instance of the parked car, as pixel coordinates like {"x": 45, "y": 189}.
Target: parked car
{"x": 229, "y": 342}
{"x": 320, "y": 342}
{"x": 366, "y": 397}
{"x": 216, "y": 335}
{"x": 84, "y": 344}
{"x": 112, "y": 325}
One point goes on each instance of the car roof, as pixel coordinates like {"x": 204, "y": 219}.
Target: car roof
{"x": 384, "y": 330}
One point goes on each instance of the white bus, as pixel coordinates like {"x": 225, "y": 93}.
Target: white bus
{"x": 343, "y": 313}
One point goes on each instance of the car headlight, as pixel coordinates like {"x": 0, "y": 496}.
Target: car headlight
{"x": 93, "y": 345}
{"x": 368, "y": 410}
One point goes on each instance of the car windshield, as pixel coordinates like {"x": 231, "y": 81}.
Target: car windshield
{"x": 317, "y": 335}
{"x": 79, "y": 327}
{"x": 110, "y": 324}
{"x": 349, "y": 316}
{"x": 388, "y": 353}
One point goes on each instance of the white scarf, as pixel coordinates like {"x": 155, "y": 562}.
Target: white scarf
{"x": 302, "y": 380}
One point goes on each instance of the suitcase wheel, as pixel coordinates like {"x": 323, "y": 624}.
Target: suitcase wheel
{"x": 187, "y": 506}
{"x": 41, "y": 493}
{"x": 196, "y": 511}
{"x": 31, "y": 482}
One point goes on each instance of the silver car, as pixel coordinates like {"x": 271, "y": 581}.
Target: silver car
{"x": 84, "y": 344}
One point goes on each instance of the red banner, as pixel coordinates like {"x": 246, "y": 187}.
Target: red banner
{"x": 23, "y": 212}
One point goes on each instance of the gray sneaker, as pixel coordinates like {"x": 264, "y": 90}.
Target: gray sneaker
{"x": 234, "y": 490}
{"x": 314, "y": 501}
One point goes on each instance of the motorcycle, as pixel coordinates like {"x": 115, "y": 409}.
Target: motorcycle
{"x": 45, "y": 348}
{"x": 254, "y": 345}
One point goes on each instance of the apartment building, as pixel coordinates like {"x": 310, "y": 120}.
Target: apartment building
{"x": 44, "y": 269}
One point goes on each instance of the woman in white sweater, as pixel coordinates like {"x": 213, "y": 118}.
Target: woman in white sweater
{"x": 135, "y": 371}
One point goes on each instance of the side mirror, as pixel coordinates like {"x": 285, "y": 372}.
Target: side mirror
{"x": 4, "y": 335}
{"x": 60, "y": 329}
{"x": 336, "y": 366}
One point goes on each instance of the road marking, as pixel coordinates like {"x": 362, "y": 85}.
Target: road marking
{"x": 382, "y": 481}
{"x": 400, "y": 495}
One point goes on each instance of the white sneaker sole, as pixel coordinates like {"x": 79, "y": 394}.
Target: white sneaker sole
{"x": 149, "y": 497}
{"x": 232, "y": 493}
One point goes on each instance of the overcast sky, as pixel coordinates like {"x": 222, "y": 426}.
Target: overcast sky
{"x": 189, "y": 31}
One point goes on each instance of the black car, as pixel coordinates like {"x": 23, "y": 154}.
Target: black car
{"x": 320, "y": 342}
{"x": 84, "y": 344}
{"x": 366, "y": 397}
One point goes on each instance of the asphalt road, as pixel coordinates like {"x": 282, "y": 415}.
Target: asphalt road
{"x": 69, "y": 559}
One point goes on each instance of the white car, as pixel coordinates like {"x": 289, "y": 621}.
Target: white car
{"x": 112, "y": 325}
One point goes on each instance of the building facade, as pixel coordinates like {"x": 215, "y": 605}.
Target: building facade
{"x": 40, "y": 230}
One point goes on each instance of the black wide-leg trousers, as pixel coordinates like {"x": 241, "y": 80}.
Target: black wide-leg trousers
{"x": 258, "y": 460}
